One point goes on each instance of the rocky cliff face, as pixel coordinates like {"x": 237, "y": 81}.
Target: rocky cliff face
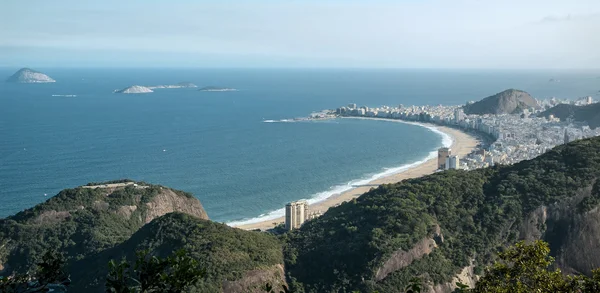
{"x": 255, "y": 280}
{"x": 507, "y": 102}
{"x": 401, "y": 259}
{"x": 27, "y": 75}
{"x": 168, "y": 201}
{"x": 570, "y": 229}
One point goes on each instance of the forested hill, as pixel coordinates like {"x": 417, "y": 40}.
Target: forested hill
{"x": 85, "y": 220}
{"x": 234, "y": 260}
{"x": 453, "y": 222}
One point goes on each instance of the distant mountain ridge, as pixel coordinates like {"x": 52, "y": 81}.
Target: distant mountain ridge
{"x": 510, "y": 101}
{"x": 587, "y": 113}
{"x": 28, "y": 75}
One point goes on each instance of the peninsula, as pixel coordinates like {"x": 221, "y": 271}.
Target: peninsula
{"x": 28, "y": 75}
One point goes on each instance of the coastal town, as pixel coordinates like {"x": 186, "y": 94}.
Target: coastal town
{"x": 504, "y": 138}
{"x": 508, "y": 138}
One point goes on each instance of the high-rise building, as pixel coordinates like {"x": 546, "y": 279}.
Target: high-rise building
{"x": 296, "y": 213}
{"x": 458, "y": 115}
{"x": 352, "y": 106}
{"x": 443, "y": 154}
{"x": 452, "y": 162}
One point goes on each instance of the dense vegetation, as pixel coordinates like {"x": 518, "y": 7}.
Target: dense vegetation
{"x": 77, "y": 222}
{"x": 224, "y": 253}
{"x": 479, "y": 213}
{"x": 525, "y": 268}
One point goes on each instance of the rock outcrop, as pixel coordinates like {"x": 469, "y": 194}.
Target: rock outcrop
{"x": 168, "y": 201}
{"x": 135, "y": 89}
{"x": 27, "y": 75}
{"x": 507, "y": 102}
{"x": 401, "y": 258}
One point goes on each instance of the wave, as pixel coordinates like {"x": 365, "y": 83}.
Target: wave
{"x": 339, "y": 189}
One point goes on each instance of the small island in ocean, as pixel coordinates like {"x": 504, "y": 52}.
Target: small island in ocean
{"x": 217, "y": 89}
{"x": 174, "y": 86}
{"x": 28, "y": 75}
{"x": 135, "y": 89}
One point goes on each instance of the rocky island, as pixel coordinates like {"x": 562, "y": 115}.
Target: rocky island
{"x": 174, "y": 86}
{"x": 28, "y": 75}
{"x": 216, "y": 89}
{"x": 135, "y": 89}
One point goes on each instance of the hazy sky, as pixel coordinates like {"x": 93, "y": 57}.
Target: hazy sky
{"x": 285, "y": 33}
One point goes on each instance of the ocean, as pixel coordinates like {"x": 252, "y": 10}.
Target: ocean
{"x": 217, "y": 145}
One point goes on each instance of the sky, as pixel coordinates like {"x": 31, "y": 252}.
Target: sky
{"x": 511, "y": 34}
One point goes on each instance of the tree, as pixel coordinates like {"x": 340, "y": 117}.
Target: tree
{"x": 175, "y": 273}
{"x": 524, "y": 268}
{"x": 49, "y": 274}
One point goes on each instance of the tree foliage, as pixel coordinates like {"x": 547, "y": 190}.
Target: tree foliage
{"x": 175, "y": 274}
{"x": 525, "y": 268}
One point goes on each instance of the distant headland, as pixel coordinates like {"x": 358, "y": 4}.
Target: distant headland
{"x": 28, "y": 75}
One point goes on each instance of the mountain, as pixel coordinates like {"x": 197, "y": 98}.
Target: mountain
{"x": 449, "y": 225}
{"x": 135, "y": 89}
{"x": 235, "y": 260}
{"x": 86, "y": 220}
{"x": 507, "y": 102}
{"x": 27, "y": 75}
{"x": 588, "y": 113}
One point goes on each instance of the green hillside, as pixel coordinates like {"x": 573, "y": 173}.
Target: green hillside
{"x": 82, "y": 221}
{"x": 478, "y": 214}
{"x": 233, "y": 258}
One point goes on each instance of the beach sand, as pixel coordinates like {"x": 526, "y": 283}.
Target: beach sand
{"x": 462, "y": 144}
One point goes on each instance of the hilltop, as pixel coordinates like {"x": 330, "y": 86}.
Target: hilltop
{"x": 510, "y": 101}
{"x": 28, "y": 75}
{"x": 589, "y": 114}
{"x": 88, "y": 219}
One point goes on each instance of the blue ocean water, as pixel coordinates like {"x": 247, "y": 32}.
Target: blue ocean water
{"x": 215, "y": 144}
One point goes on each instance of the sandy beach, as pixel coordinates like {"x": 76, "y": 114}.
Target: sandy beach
{"x": 462, "y": 144}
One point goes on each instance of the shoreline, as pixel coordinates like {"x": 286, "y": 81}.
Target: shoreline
{"x": 462, "y": 144}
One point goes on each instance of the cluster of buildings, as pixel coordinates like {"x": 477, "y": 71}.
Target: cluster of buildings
{"x": 511, "y": 137}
